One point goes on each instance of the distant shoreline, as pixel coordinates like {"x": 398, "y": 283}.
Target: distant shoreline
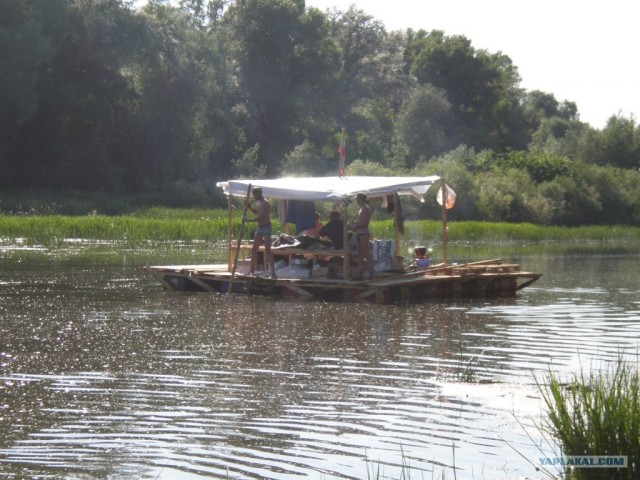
{"x": 167, "y": 224}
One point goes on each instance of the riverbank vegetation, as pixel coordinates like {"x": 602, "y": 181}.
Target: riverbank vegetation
{"x": 164, "y": 100}
{"x": 196, "y": 224}
{"x": 596, "y": 414}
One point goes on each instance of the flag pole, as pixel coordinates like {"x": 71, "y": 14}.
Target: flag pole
{"x": 343, "y": 155}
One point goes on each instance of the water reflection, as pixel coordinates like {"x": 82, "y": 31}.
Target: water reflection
{"x": 105, "y": 376}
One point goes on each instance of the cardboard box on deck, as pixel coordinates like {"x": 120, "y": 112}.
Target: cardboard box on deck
{"x": 397, "y": 264}
{"x": 243, "y": 266}
{"x": 319, "y": 271}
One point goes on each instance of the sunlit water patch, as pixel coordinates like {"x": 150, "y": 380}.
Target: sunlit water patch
{"x": 102, "y": 375}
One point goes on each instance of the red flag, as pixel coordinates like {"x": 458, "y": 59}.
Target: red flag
{"x": 343, "y": 156}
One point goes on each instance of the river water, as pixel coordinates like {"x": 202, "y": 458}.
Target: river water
{"x": 105, "y": 376}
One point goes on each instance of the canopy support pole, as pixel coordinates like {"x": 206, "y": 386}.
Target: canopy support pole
{"x": 346, "y": 260}
{"x": 240, "y": 235}
{"x": 444, "y": 221}
{"x": 229, "y": 239}
{"x": 396, "y": 223}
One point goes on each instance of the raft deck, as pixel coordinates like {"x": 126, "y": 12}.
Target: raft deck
{"x": 489, "y": 278}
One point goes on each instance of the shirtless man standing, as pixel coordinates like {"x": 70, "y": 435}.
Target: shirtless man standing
{"x": 361, "y": 229}
{"x": 263, "y": 232}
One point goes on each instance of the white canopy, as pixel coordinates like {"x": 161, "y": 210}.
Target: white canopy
{"x": 331, "y": 188}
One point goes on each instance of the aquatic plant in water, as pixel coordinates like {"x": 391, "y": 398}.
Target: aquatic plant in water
{"x": 596, "y": 414}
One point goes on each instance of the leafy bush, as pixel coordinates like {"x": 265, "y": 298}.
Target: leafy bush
{"x": 542, "y": 166}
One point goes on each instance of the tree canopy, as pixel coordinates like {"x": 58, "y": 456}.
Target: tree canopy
{"x": 99, "y": 95}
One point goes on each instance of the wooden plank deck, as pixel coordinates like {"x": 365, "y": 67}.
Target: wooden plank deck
{"x": 205, "y": 277}
{"x": 435, "y": 273}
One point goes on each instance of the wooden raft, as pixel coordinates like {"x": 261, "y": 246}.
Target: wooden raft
{"x": 209, "y": 278}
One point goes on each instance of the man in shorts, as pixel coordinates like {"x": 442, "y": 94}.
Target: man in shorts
{"x": 361, "y": 229}
{"x": 263, "y": 232}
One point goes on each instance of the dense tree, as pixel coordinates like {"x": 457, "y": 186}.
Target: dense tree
{"x": 25, "y": 52}
{"x": 205, "y": 14}
{"x": 360, "y": 39}
{"x": 371, "y": 84}
{"x": 481, "y": 87}
{"x": 176, "y": 95}
{"x": 424, "y": 123}
{"x": 618, "y": 144}
{"x": 82, "y": 98}
{"x": 541, "y": 166}
{"x": 180, "y": 98}
{"x": 284, "y": 61}
{"x": 540, "y": 105}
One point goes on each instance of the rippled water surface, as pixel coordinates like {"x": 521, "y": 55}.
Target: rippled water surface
{"x": 104, "y": 375}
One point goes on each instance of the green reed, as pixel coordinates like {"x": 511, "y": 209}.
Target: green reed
{"x": 473, "y": 231}
{"x": 596, "y": 414}
{"x": 199, "y": 224}
{"x": 166, "y": 213}
{"x": 50, "y": 229}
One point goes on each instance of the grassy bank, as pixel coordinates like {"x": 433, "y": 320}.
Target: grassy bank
{"x": 200, "y": 224}
{"x": 129, "y": 228}
{"x": 48, "y": 217}
{"x": 469, "y": 231}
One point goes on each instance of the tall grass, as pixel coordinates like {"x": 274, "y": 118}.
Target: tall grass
{"x": 46, "y": 215}
{"x": 470, "y": 230}
{"x": 596, "y": 414}
{"x": 191, "y": 224}
{"x": 50, "y": 229}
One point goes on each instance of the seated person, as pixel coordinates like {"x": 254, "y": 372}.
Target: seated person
{"x": 315, "y": 230}
{"x": 422, "y": 257}
{"x": 334, "y": 230}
